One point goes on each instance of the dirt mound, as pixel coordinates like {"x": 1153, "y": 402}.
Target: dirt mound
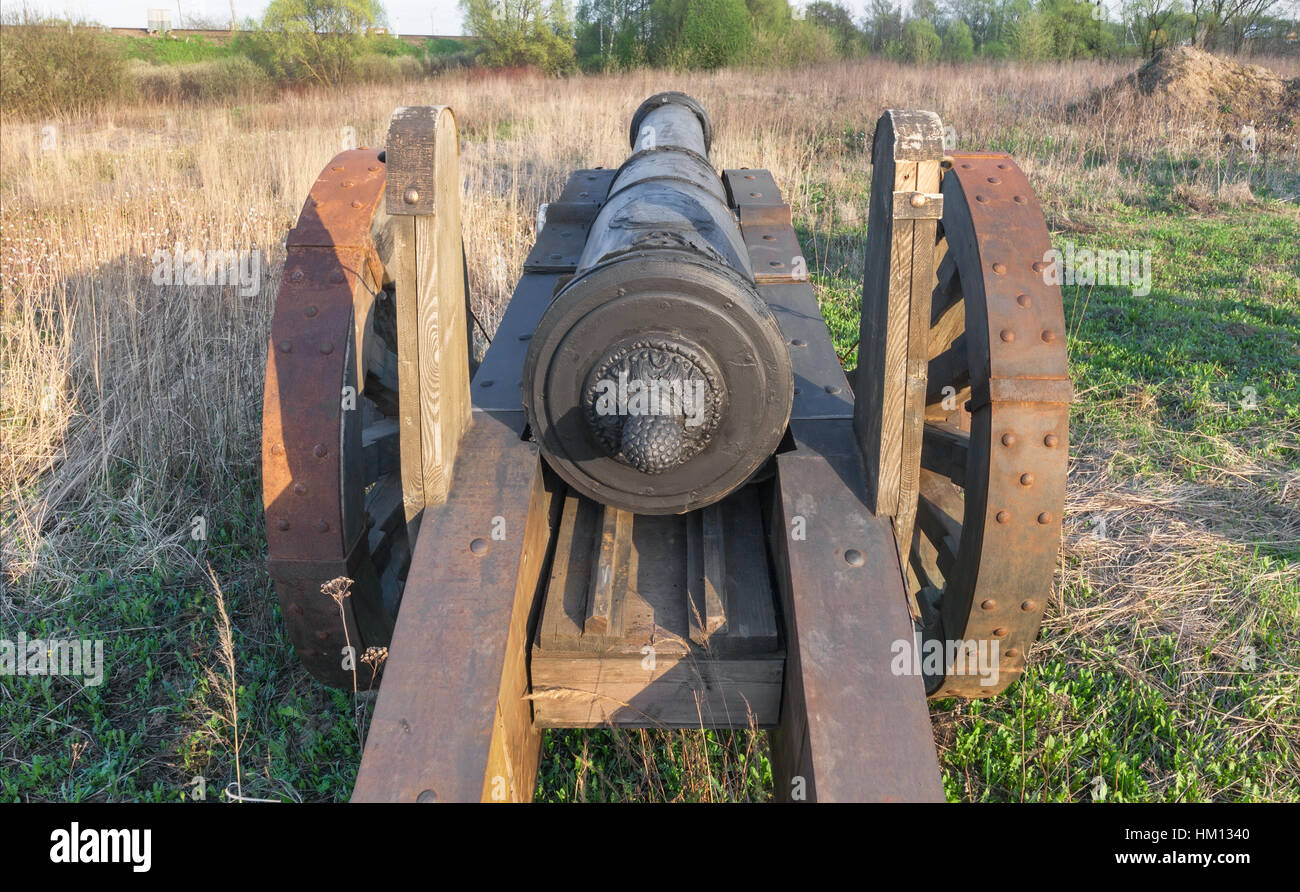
{"x": 1190, "y": 81}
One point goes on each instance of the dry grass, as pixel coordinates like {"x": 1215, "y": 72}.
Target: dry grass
{"x": 130, "y": 408}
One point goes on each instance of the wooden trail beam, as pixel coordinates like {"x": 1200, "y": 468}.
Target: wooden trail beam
{"x": 853, "y": 729}
{"x": 422, "y": 199}
{"x": 889, "y": 409}
{"x": 453, "y": 722}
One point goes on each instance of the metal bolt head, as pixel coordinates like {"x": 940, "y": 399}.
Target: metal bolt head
{"x": 296, "y": 275}
{"x": 320, "y": 450}
{"x": 854, "y": 558}
{"x": 286, "y": 346}
{"x": 1003, "y": 517}
{"x": 1008, "y": 335}
{"x": 310, "y": 312}
{"x": 989, "y": 604}
{"x": 299, "y": 489}
{"x": 918, "y": 200}
{"x": 1008, "y": 439}
{"x": 1045, "y": 517}
{"x": 478, "y": 546}
{"x": 1026, "y": 479}
{"x": 1050, "y": 440}
{"x": 999, "y": 633}
{"x": 322, "y": 526}
{"x": 282, "y": 524}
{"x": 1024, "y": 301}
{"x": 327, "y": 348}
{"x": 411, "y": 196}
{"x": 1000, "y": 268}
{"x": 1029, "y": 606}
{"x": 1049, "y": 336}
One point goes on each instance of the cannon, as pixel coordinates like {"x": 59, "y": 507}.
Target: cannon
{"x": 658, "y": 499}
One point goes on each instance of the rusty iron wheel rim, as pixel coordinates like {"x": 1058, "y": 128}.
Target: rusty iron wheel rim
{"x": 994, "y": 454}
{"x": 329, "y": 462}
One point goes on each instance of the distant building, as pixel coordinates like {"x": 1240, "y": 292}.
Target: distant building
{"x": 160, "y": 21}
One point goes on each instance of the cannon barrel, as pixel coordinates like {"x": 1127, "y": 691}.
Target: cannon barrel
{"x": 658, "y": 380}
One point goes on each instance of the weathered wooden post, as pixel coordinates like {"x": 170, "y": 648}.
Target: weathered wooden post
{"x": 892, "y": 349}
{"x": 422, "y": 198}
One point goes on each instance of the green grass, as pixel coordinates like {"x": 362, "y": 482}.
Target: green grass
{"x": 171, "y": 51}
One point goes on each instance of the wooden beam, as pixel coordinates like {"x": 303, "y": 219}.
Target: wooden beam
{"x": 423, "y": 197}
{"x": 453, "y": 722}
{"x": 706, "y": 575}
{"x": 852, "y": 728}
{"x": 889, "y": 408}
{"x": 609, "y": 582}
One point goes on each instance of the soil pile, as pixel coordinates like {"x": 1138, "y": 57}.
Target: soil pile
{"x": 1196, "y": 83}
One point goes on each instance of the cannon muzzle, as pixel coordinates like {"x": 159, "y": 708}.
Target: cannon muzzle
{"x": 658, "y": 380}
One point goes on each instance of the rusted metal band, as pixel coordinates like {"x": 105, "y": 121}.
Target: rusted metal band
{"x": 309, "y": 364}
{"x": 1019, "y": 422}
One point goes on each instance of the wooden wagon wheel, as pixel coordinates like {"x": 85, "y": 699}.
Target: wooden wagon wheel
{"x": 993, "y": 455}
{"x": 331, "y": 477}
{"x": 367, "y": 388}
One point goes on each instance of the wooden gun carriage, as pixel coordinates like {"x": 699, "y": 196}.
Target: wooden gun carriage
{"x": 548, "y": 539}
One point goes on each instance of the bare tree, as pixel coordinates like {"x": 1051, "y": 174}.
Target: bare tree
{"x": 1211, "y": 15}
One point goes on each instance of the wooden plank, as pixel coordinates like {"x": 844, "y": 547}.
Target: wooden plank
{"x": 851, "y": 728}
{"x": 948, "y": 327}
{"x": 706, "y": 575}
{"x": 444, "y": 358}
{"x": 566, "y": 602}
{"x": 652, "y": 674}
{"x": 677, "y": 692}
{"x": 515, "y": 749}
{"x": 921, "y": 283}
{"x": 609, "y": 582}
{"x": 408, "y": 369}
{"x": 890, "y": 398}
{"x": 944, "y": 451}
{"x": 423, "y": 238}
{"x": 380, "y": 447}
{"x": 451, "y": 717}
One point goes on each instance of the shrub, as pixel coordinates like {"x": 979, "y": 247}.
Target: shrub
{"x": 410, "y": 67}
{"x": 49, "y": 66}
{"x": 958, "y": 44}
{"x": 920, "y": 41}
{"x": 715, "y": 33}
{"x": 235, "y": 77}
{"x": 154, "y": 83}
{"x": 803, "y": 43}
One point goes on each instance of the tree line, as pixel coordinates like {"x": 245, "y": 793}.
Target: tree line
{"x": 48, "y": 66}
{"x": 600, "y": 35}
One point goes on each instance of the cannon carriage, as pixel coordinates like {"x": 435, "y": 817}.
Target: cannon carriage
{"x": 659, "y": 500}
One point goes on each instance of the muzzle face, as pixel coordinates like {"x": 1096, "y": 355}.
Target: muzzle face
{"x": 658, "y": 383}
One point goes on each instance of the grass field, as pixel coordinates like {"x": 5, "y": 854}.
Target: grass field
{"x": 1169, "y": 664}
